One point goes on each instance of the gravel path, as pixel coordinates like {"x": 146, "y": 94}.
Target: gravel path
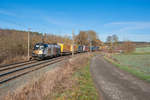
{"x": 115, "y": 84}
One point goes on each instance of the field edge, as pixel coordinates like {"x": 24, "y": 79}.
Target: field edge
{"x": 132, "y": 71}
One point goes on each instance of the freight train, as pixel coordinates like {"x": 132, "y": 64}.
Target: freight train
{"x": 42, "y": 50}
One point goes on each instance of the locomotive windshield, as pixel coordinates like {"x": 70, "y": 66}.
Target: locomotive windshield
{"x": 38, "y": 47}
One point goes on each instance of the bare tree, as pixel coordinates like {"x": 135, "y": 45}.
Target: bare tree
{"x": 114, "y": 38}
{"x": 87, "y": 38}
{"x": 109, "y": 39}
{"x": 112, "y": 42}
{"x": 93, "y": 37}
{"x": 15, "y": 48}
{"x": 128, "y": 47}
{"x": 82, "y": 38}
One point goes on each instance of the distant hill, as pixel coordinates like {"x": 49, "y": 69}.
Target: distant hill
{"x": 138, "y": 44}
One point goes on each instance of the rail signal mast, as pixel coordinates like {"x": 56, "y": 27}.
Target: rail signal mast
{"x": 90, "y": 41}
{"x": 29, "y": 44}
{"x": 72, "y": 43}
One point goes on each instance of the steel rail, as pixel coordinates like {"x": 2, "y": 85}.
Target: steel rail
{"x": 38, "y": 66}
{"x": 25, "y": 67}
{"x": 16, "y": 65}
{"x": 1, "y": 66}
{"x": 29, "y": 68}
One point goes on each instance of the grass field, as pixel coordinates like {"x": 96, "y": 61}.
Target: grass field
{"x": 138, "y": 65}
{"x": 142, "y": 50}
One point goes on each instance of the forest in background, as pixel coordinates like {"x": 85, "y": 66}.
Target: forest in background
{"x": 14, "y": 43}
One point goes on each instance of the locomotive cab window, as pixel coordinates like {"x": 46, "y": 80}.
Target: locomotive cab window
{"x": 36, "y": 47}
{"x": 41, "y": 47}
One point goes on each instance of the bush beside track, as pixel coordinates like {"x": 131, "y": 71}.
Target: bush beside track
{"x": 57, "y": 79}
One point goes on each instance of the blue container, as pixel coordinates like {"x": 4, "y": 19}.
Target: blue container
{"x": 80, "y": 48}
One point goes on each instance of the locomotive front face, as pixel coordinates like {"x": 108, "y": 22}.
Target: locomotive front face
{"x": 38, "y": 51}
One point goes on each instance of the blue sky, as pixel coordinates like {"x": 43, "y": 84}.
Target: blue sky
{"x": 129, "y": 19}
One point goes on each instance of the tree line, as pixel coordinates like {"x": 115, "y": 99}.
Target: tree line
{"x": 13, "y": 43}
{"x": 115, "y": 45}
{"x": 87, "y": 37}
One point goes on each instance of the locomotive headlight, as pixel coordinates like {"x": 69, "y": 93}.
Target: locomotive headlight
{"x": 40, "y": 52}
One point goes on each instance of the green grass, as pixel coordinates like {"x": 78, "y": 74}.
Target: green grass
{"x": 142, "y": 50}
{"x": 140, "y": 53}
{"x": 137, "y": 65}
{"x": 84, "y": 88}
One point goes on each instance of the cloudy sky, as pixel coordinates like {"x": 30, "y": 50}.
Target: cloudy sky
{"x": 129, "y": 19}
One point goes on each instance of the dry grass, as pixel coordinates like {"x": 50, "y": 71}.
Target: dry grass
{"x": 14, "y": 60}
{"x": 13, "y": 43}
{"x": 53, "y": 80}
{"x": 82, "y": 87}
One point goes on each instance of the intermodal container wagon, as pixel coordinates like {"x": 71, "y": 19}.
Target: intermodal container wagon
{"x": 65, "y": 48}
{"x": 75, "y": 48}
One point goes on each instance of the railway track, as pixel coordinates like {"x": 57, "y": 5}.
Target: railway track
{"x": 13, "y": 71}
{"x": 6, "y": 65}
{"x": 15, "y": 65}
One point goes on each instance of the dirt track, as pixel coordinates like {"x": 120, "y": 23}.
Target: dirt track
{"x": 115, "y": 84}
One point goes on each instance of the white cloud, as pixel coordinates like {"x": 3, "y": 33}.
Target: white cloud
{"x": 134, "y": 30}
{"x": 59, "y": 22}
{"x": 129, "y": 26}
{"x": 137, "y": 37}
{"x": 128, "y": 23}
{"x": 7, "y": 13}
{"x": 127, "y": 36}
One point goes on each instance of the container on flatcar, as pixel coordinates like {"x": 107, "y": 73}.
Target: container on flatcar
{"x": 100, "y": 48}
{"x": 65, "y": 48}
{"x": 85, "y": 48}
{"x": 75, "y": 48}
{"x": 94, "y": 48}
{"x": 80, "y": 48}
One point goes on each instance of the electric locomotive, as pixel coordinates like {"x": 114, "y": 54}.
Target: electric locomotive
{"x": 42, "y": 51}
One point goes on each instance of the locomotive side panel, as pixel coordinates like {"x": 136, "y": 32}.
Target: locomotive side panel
{"x": 42, "y": 51}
